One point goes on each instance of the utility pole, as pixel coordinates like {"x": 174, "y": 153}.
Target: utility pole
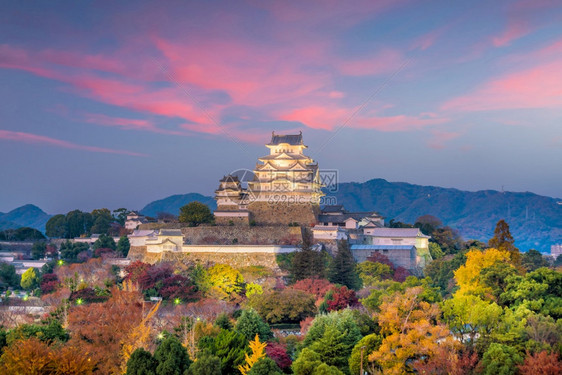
{"x": 362, "y": 349}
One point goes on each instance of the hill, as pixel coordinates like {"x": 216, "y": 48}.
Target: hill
{"x": 535, "y": 221}
{"x": 173, "y": 203}
{"x": 24, "y": 216}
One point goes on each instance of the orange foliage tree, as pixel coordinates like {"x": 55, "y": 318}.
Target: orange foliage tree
{"x": 258, "y": 352}
{"x": 541, "y": 364}
{"x": 103, "y": 328}
{"x": 410, "y": 334}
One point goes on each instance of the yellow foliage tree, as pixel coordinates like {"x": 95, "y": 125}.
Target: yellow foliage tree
{"x": 258, "y": 352}
{"x": 468, "y": 275}
{"x": 138, "y": 337}
{"x": 410, "y": 334}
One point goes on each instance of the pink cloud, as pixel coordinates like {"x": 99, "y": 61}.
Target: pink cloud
{"x": 40, "y": 139}
{"x": 439, "y": 138}
{"x": 537, "y": 87}
{"x": 329, "y": 118}
{"x": 515, "y": 30}
{"x": 126, "y": 123}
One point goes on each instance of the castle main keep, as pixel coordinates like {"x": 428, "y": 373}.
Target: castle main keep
{"x": 283, "y": 188}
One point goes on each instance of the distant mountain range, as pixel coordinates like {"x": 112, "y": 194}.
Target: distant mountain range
{"x": 535, "y": 221}
{"x": 173, "y": 204}
{"x": 24, "y": 216}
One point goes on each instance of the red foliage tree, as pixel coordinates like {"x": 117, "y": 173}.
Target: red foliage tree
{"x": 316, "y": 287}
{"x": 278, "y": 353}
{"x": 541, "y": 364}
{"x": 135, "y": 270}
{"x": 305, "y": 324}
{"x": 380, "y": 258}
{"x": 104, "y": 252}
{"x": 339, "y": 298}
{"x": 49, "y": 283}
{"x": 400, "y": 274}
{"x": 87, "y": 295}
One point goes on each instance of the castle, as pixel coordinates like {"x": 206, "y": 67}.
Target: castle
{"x": 284, "y": 188}
{"x": 282, "y": 195}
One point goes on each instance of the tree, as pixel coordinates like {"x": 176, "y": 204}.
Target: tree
{"x": 206, "y": 364}
{"x": 541, "y": 364}
{"x": 265, "y": 366}
{"x": 8, "y": 275}
{"x": 29, "y": 356}
{"x": 339, "y": 298}
{"x": 29, "y": 279}
{"x": 361, "y": 350}
{"x": 120, "y": 215}
{"x": 310, "y": 363}
{"x": 56, "y": 227}
{"x": 250, "y": 324}
{"x": 342, "y": 268}
{"x": 428, "y": 224}
{"x": 410, "y": 332}
{"x": 38, "y": 250}
{"x": 317, "y": 287}
{"x": 469, "y": 316}
{"x": 332, "y": 337}
{"x": 503, "y": 241}
{"x": 123, "y": 246}
{"x": 104, "y": 241}
{"x": 229, "y": 346}
{"x": 101, "y": 219}
{"x": 285, "y": 306}
{"x": 532, "y": 260}
{"x": 278, "y": 353}
{"x": 195, "y": 213}
{"x": 258, "y": 352}
{"x": 500, "y": 359}
{"x": 307, "y": 263}
{"x": 435, "y": 251}
{"x": 225, "y": 280}
{"x": 172, "y": 357}
{"x": 78, "y": 223}
{"x": 468, "y": 276}
{"x": 141, "y": 362}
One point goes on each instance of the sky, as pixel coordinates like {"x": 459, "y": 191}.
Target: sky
{"x": 117, "y": 104}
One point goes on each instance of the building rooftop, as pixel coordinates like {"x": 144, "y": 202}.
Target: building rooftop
{"x": 292, "y": 139}
{"x": 382, "y": 247}
{"x": 398, "y": 232}
{"x": 329, "y": 217}
{"x": 170, "y": 232}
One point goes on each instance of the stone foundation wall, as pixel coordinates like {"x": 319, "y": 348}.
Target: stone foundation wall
{"x": 284, "y": 213}
{"x": 236, "y": 260}
{"x": 243, "y": 235}
{"x": 245, "y": 221}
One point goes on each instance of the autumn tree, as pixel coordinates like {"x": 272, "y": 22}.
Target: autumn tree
{"x": 195, "y": 213}
{"x": 102, "y": 328}
{"x": 258, "y": 352}
{"x": 410, "y": 332}
{"x": 226, "y": 282}
{"x": 285, "y": 306}
{"x": 503, "y": 241}
{"x": 29, "y": 356}
{"x": 541, "y": 363}
{"x": 468, "y": 276}
{"x": 29, "y": 279}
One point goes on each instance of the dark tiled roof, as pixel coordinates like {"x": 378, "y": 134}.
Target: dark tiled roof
{"x": 170, "y": 232}
{"x": 344, "y": 216}
{"x": 292, "y": 139}
{"x": 334, "y": 208}
{"x": 229, "y": 178}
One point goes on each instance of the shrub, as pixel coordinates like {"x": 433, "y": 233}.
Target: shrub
{"x": 285, "y": 306}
